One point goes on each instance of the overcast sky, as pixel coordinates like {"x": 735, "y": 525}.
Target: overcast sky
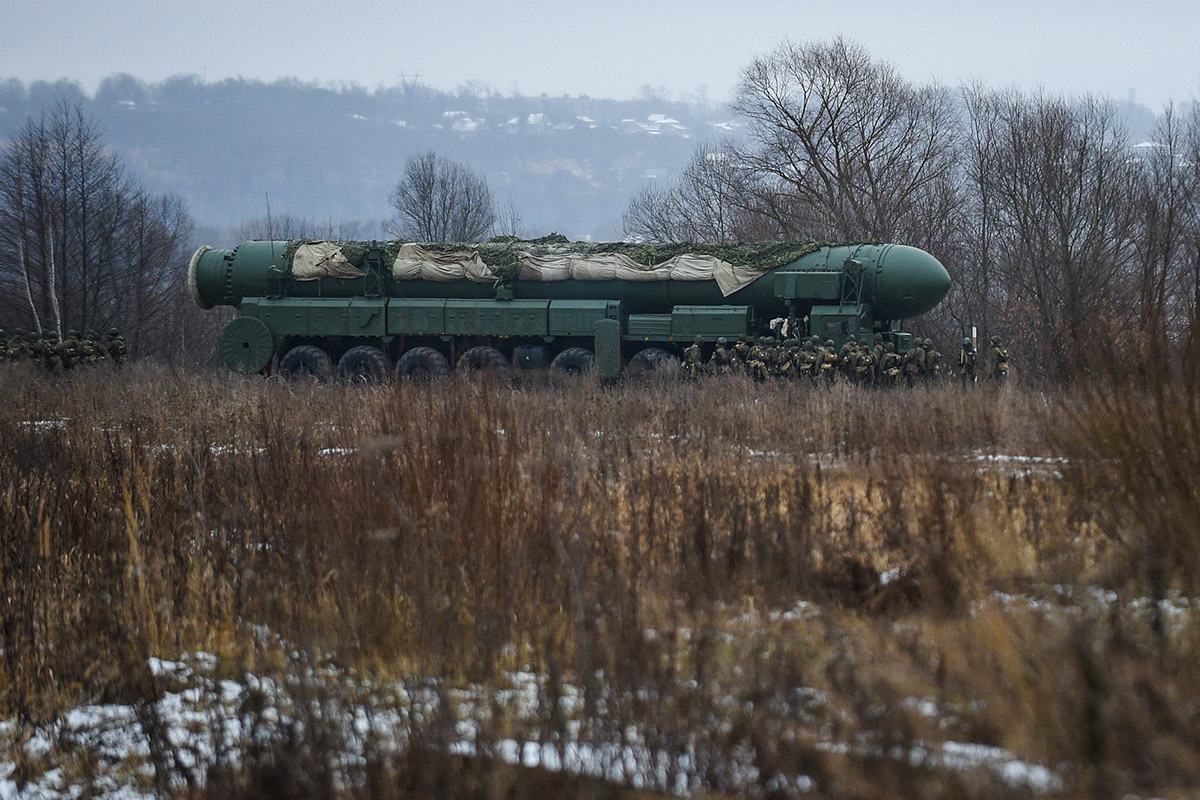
{"x": 608, "y": 48}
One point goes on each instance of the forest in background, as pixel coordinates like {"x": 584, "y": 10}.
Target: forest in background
{"x": 1057, "y": 220}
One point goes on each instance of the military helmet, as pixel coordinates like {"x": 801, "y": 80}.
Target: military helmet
{"x": 879, "y": 337}
{"x": 765, "y": 340}
{"x": 966, "y": 341}
{"x": 113, "y": 332}
{"x": 699, "y": 340}
{"x": 928, "y": 342}
{"x": 851, "y": 338}
{"x": 995, "y": 338}
{"x": 72, "y": 334}
{"x": 816, "y": 340}
{"x": 829, "y": 342}
{"x": 721, "y": 340}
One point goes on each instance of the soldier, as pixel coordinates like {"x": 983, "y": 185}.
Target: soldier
{"x": 966, "y": 361}
{"x": 90, "y": 346}
{"x": 997, "y": 362}
{"x": 914, "y": 363}
{"x": 116, "y": 347}
{"x": 846, "y": 357}
{"x": 878, "y": 350}
{"x": 72, "y": 350}
{"x": 933, "y": 362}
{"x": 864, "y": 366}
{"x": 785, "y": 367}
{"x": 693, "y": 363}
{"x": 889, "y": 368}
{"x": 757, "y": 360}
{"x": 741, "y": 352}
{"x": 808, "y": 359}
{"x": 829, "y": 361}
{"x": 721, "y": 361}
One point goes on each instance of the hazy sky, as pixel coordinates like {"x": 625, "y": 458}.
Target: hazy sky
{"x": 608, "y": 48}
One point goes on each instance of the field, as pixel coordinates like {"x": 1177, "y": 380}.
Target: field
{"x": 223, "y": 587}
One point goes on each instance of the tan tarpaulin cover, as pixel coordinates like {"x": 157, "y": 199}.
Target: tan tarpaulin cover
{"x": 322, "y": 260}
{"x": 616, "y": 266}
{"x": 414, "y": 262}
{"x": 732, "y": 277}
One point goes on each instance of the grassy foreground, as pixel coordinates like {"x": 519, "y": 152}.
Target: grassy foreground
{"x": 704, "y": 590}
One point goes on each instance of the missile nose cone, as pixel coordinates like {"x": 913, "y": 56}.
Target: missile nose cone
{"x": 910, "y": 283}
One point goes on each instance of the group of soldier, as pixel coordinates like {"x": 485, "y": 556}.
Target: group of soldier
{"x": 864, "y": 363}
{"x": 58, "y": 354}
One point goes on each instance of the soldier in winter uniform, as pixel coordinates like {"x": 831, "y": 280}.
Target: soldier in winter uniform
{"x": 997, "y": 361}
{"x": 721, "y": 361}
{"x": 693, "y": 363}
{"x": 966, "y": 361}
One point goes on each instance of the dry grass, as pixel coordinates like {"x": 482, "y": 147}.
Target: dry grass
{"x": 794, "y": 590}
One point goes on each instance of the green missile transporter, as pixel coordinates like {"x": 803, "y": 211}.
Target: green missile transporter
{"x": 370, "y": 310}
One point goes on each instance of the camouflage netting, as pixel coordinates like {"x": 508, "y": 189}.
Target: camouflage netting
{"x": 550, "y": 258}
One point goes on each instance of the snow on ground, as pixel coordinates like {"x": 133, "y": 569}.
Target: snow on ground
{"x": 202, "y": 720}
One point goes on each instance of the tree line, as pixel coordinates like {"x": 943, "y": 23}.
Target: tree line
{"x": 83, "y": 246}
{"x": 1060, "y": 235}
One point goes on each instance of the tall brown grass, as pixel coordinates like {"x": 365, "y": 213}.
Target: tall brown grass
{"x": 793, "y": 587}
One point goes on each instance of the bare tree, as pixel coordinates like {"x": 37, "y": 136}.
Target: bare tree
{"x": 509, "y": 221}
{"x": 1065, "y": 220}
{"x": 441, "y": 200}
{"x": 81, "y": 244}
{"x": 848, "y": 147}
{"x": 288, "y": 226}
{"x": 715, "y": 199}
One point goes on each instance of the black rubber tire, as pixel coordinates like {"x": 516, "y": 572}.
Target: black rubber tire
{"x": 422, "y": 364}
{"x": 363, "y": 364}
{"x": 306, "y": 361}
{"x": 573, "y": 363}
{"x": 485, "y": 362}
{"x": 653, "y": 363}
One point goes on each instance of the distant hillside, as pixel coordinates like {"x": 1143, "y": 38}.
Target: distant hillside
{"x": 334, "y": 154}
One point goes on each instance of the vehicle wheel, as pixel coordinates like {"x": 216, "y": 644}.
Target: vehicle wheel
{"x": 572, "y": 362}
{"x": 246, "y": 345}
{"x": 485, "y": 362}
{"x": 363, "y": 364}
{"x": 653, "y": 363}
{"x": 306, "y": 361}
{"x": 422, "y": 364}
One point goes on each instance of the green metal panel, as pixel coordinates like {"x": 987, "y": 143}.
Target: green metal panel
{"x": 497, "y": 317}
{"x": 648, "y": 327}
{"x": 709, "y": 322}
{"x": 838, "y": 322}
{"x": 608, "y": 348}
{"x": 366, "y": 316}
{"x": 808, "y": 285}
{"x": 416, "y": 316}
{"x": 300, "y": 316}
{"x": 579, "y": 317}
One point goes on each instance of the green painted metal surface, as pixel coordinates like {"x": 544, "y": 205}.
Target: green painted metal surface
{"x": 648, "y": 328}
{"x": 416, "y": 316}
{"x": 579, "y": 317}
{"x": 246, "y": 345}
{"x": 497, "y": 317}
{"x": 607, "y": 334}
{"x": 710, "y": 322}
